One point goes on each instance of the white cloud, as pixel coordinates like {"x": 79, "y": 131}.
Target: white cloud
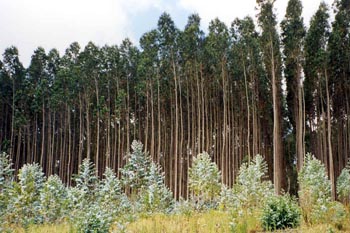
{"x": 57, "y": 23}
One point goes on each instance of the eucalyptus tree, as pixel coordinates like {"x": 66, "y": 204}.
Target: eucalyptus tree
{"x": 108, "y": 68}
{"x": 293, "y": 33}
{"x": 270, "y": 45}
{"x": 13, "y": 82}
{"x": 53, "y": 62}
{"x": 148, "y": 69}
{"x": 250, "y": 79}
{"x": 116, "y": 93}
{"x": 168, "y": 52}
{"x": 338, "y": 95}
{"x": 216, "y": 47}
{"x": 67, "y": 87}
{"x": 38, "y": 93}
{"x": 129, "y": 56}
{"x": 191, "y": 44}
{"x": 90, "y": 58}
{"x": 315, "y": 69}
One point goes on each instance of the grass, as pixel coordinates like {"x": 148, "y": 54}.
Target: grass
{"x": 213, "y": 221}
{"x": 47, "y": 228}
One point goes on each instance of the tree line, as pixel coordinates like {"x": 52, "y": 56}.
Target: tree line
{"x": 235, "y": 92}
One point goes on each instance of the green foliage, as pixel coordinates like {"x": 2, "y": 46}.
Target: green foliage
{"x": 252, "y": 190}
{"x": 227, "y": 198}
{"x": 184, "y": 207}
{"x": 315, "y": 189}
{"x": 86, "y": 180}
{"x": 146, "y": 182}
{"x": 155, "y": 197}
{"x": 110, "y": 194}
{"x": 204, "y": 178}
{"x": 335, "y": 215}
{"x": 86, "y": 214}
{"x": 343, "y": 185}
{"x": 248, "y": 195}
{"x": 6, "y": 171}
{"x": 6, "y": 176}
{"x": 25, "y": 195}
{"x": 280, "y": 212}
{"x": 93, "y": 219}
{"x": 137, "y": 168}
{"x": 53, "y": 200}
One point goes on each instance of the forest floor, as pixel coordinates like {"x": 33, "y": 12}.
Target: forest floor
{"x": 214, "y": 221}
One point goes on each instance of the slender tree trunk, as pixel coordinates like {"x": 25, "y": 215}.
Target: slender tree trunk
{"x": 97, "y": 155}
{"x": 248, "y": 111}
{"x": 277, "y": 144}
{"x": 42, "y": 136}
{"x": 176, "y": 137}
{"x": 331, "y": 163}
{"x": 299, "y": 121}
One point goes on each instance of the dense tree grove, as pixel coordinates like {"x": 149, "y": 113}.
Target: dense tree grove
{"x": 235, "y": 92}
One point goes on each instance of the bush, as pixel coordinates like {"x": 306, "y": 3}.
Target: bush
{"x": 315, "y": 189}
{"x": 331, "y": 212}
{"x": 110, "y": 194}
{"x": 248, "y": 196}
{"x": 137, "y": 168}
{"x": 87, "y": 214}
{"x": 86, "y": 180}
{"x": 252, "y": 190}
{"x": 53, "y": 200}
{"x": 204, "y": 180}
{"x": 155, "y": 196}
{"x": 93, "y": 219}
{"x": 6, "y": 178}
{"x": 184, "y": 207}
{"x": 6, "y": 171}
{"x": 280, "y": 212}
{"x": 343, "y": 185}
{"x": 25, "y": 195}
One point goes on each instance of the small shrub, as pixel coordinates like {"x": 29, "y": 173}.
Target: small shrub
{"x": 6, "y": 171}
{"x": 227, "y": 198}
{"x": 248, "y": 196}
{"x": 86, "y": 180}
{"x": 93, "y": 219}
{"x": 204, "y": 180}
{"x": 136, "y": 170}
{"x": 252, "y": 190}
{"x": 315, "y": 189}
{"x": 25, "y": 195}
{"x": 184, "y": 207}
{"x": 331, "y": 212}
{"x": 53, "y": 200}
{"x": 343, "y": 185}
{"x": 6, "y": 178}
{"x": 280, "y": 212}
{"x": 110, "y": 194}
{"x": 155, "y": 196}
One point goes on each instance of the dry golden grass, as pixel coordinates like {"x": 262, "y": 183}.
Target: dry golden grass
{"x": 214, "y": 221}
{"x": 49, "y": 228}
{"x": 206, "y": 222}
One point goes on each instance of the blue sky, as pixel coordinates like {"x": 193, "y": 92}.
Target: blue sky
{"x": 28, "y": 24}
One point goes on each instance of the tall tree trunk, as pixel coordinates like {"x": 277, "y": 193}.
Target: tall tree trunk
{"x": 331, "y": 162}
{"x": 248, "y": 111}
{"x": 97, "y": 155}
{"x": 277, "y": 144}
